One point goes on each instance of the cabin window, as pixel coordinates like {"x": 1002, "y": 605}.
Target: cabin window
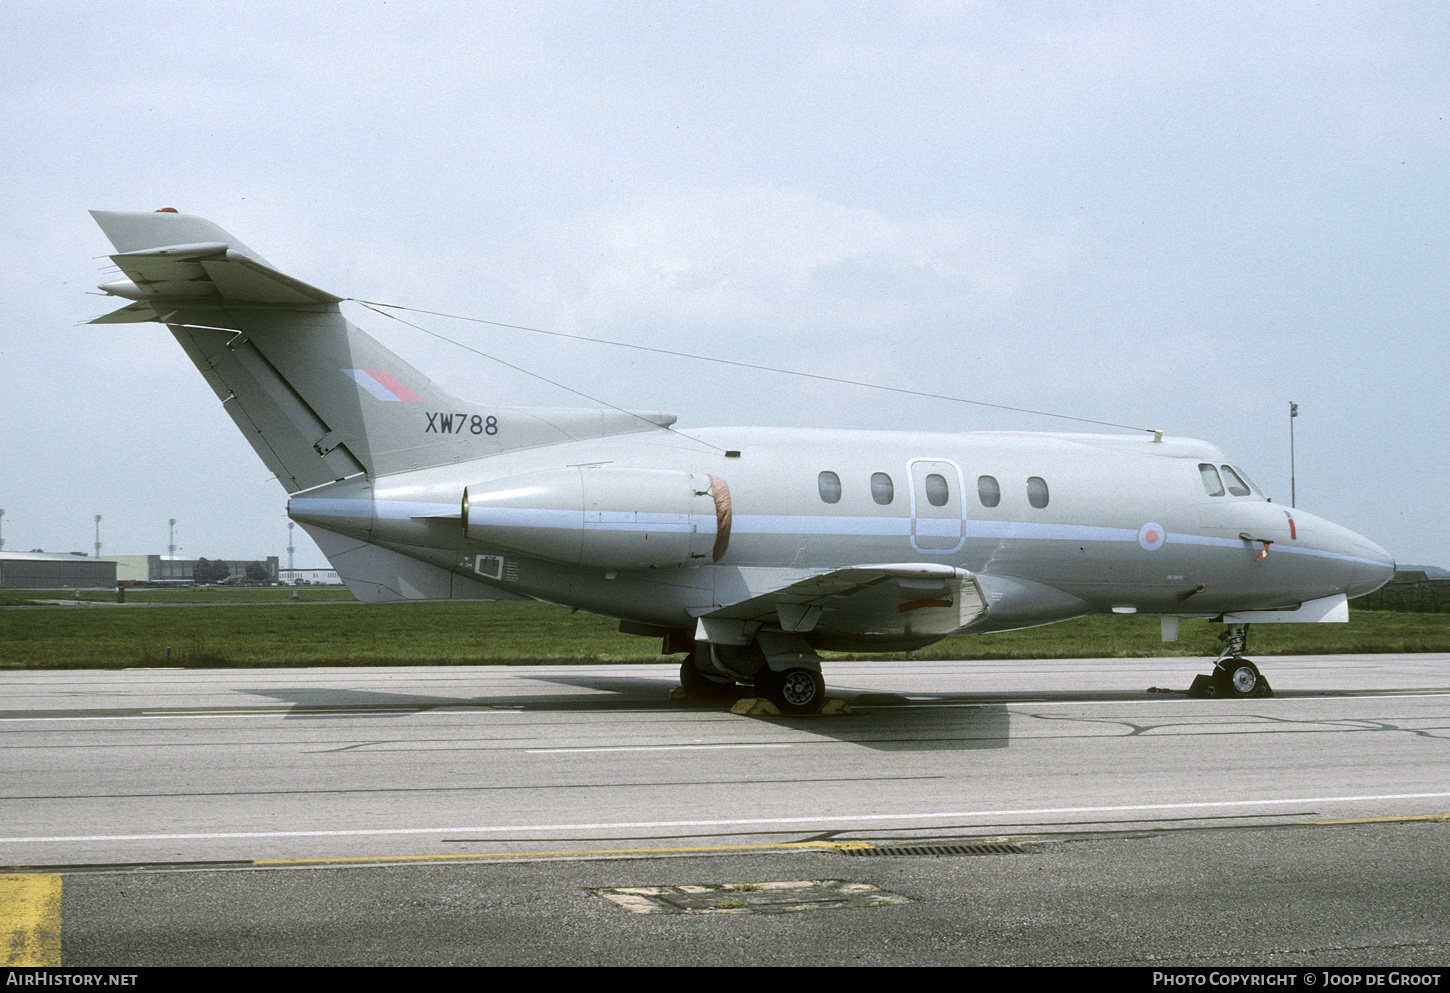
{"x": 882, "y": 490}
{"x": 830, "y": 486}
{"x": 937, "y": 493}
{"x": 1037, "y": 492}
{"x": 1236, "y": 486}
{"x": 1211, "y": 484}
{"x": 989, "y": 491}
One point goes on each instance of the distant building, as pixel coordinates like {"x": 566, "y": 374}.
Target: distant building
{"x": 310, "y": 577}
{"x": 165, "y": 569}
{"x": 41, "y": 570}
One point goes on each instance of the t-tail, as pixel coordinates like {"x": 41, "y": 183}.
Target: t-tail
{"x": 318, "y": 399}
{"x": 331, "y": 412}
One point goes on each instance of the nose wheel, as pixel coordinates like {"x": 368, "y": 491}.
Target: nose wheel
{"x": 1238, "y": 677}
{"x": 1233, "y": 676}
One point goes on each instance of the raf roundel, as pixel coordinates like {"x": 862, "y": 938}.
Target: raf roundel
{"x": 1151, "y": 536}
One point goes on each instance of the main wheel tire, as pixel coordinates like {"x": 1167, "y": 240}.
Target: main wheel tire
{"x": 699, "y": 686}
{"x": 796, "y": 691}
{"x": 1238, "y": 678}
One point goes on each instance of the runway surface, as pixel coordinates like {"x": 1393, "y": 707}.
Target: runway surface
{"x": 474, "y": 767}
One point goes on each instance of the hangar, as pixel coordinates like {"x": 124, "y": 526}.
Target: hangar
{"x": 45, "y": 570}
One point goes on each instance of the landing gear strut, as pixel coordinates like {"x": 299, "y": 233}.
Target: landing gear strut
{"x": 699, "y": 686}
{"x": 1233, "y": 675}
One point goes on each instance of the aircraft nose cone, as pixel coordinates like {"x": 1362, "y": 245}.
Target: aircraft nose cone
{"x": 1372, "y": 569}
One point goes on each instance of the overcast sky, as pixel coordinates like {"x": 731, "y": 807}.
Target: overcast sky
{"x": 1169, "y": 215}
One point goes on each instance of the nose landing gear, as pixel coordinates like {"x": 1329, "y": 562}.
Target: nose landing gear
{"x": 1233, "y": 675}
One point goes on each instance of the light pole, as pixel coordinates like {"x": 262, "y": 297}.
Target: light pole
{"x": 171, "y": 548}
{"x": 1293, "y": 413}
{"x": 290, "y": 547}
{"x": 98, "y": 536}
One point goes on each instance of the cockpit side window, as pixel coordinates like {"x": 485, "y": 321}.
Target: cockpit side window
{"x": 1250, "y": 484}
{"x": 1236, "y": 486}
{"x": 1211, "y": 483}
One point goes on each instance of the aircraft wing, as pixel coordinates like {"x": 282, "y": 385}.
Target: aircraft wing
{"x": 186, "y": 272}
{"x": 908, "y": 599}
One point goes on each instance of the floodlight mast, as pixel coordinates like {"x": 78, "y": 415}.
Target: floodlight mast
{"x": 1293, "y": 413}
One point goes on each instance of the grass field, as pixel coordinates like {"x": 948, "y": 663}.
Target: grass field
{"x": 265, "y": 627}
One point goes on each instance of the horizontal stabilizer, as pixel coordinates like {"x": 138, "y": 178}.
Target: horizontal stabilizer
{"x": 179, "y": 260}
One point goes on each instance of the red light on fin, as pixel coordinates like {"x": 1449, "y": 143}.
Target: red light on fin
{"x": 165, "y": 210}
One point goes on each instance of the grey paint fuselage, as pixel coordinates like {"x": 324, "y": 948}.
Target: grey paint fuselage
{"x": 1084, "y": 552}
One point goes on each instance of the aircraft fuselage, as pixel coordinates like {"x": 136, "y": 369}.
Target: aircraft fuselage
{"x": 1051, "y": 525}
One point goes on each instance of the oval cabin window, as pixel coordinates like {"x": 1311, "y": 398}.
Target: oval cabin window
{"x": 830, "y": 486}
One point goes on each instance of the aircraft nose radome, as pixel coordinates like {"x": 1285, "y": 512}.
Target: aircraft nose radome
{"x": 1374, "y": 568}
{"x": 1359, "y": 565}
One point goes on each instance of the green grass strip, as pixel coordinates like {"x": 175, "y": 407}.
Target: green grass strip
{"x": 266, "y": 628}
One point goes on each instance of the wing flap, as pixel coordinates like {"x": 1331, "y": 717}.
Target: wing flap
{"x": 132, "y": 314}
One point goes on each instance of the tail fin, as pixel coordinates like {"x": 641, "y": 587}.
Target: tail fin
{"x": 317, "y": 398}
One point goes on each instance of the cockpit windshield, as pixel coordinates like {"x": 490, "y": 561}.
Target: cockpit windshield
{"x": 1225, "y": 480}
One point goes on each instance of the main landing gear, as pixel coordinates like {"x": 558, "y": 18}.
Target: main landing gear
{"x": 1233, "y": 675}
{"x": 699, "y": 686}
{"x": 794, "y": 690}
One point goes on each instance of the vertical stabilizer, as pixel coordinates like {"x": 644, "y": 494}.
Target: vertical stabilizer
{"x": 318, "y": 399}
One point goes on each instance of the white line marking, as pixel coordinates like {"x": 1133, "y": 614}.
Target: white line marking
{"x": 641, "y": 748}
{"x": 743, "y": 822}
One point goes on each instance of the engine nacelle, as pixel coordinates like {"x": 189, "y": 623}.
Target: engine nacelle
{"x": 604, "y": 517}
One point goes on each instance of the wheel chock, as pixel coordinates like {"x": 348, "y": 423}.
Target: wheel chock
{"x": 755, "y": 706}
{"x": 1204, "y": 687}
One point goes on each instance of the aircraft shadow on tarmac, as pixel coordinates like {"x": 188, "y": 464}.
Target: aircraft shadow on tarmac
{"x": 881, "y": 722}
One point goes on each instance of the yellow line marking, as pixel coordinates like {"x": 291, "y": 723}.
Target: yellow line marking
{"x": 1434, "y": 818}
{"x": 585, "y": 853}
{"x": 30, "y": 919}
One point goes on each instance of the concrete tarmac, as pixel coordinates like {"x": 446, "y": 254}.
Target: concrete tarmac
{"x": 469, "y": 815}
